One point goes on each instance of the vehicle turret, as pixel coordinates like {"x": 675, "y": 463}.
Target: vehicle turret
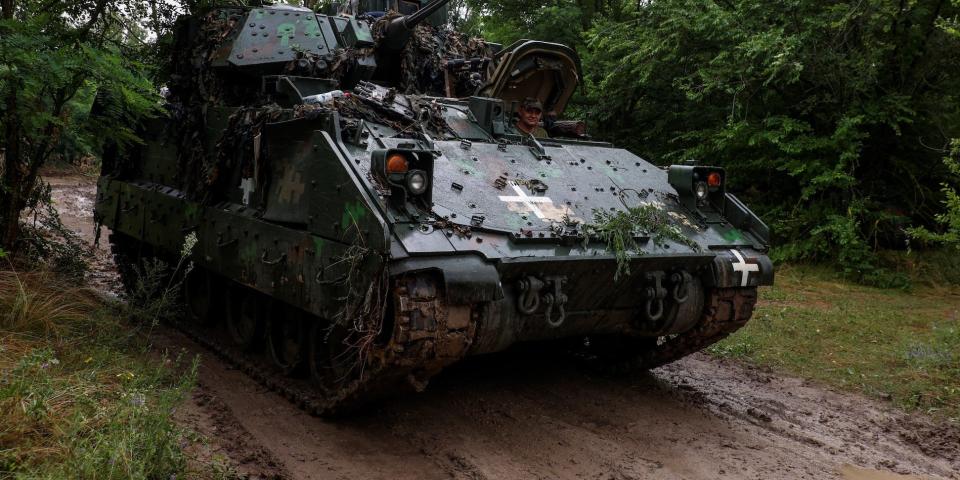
{"x": 243, "y": 47}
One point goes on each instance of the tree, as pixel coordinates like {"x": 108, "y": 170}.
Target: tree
{"x": 560, "y": 21}
{"x": 948, "y": 232}
{"x": 829, "y": 115}
{"x": 949, "y": 220}
{"x": 54, "y": 56}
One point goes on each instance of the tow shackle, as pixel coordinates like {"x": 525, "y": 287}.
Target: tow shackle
{"x": 655, "y": 294}
{"x": 531, "y": 297}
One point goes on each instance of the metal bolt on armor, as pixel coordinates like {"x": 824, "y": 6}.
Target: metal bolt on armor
{"x": 351, "y": 248}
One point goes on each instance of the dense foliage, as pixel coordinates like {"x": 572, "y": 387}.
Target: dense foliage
{"x": 949, "y": 221}
{"x": 54, "y": 58}
{"x": 832, "y": 117}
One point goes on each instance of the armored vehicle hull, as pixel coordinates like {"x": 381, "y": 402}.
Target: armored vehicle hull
{"x": 356, "y": 248}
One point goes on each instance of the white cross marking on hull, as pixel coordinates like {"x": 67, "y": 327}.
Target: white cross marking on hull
{"x": 247, "y": 186}
{"x": 744, "y": 268}
{"x": 528, "y": 201}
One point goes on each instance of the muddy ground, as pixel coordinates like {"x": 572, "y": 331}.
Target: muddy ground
{"x": 525, "y": 415}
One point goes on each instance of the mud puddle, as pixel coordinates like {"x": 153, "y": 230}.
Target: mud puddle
{"x": 526, "y": 414}
{"x": 74, "y": 196}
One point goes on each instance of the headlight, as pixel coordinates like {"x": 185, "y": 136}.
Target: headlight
{"x": 701, "y": 190}
{"x": 417, "y": 182}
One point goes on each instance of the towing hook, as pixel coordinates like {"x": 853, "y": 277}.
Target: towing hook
{"x": 654, "y": 309}
{"x": 655, "y": 295}
{"x": 530, "y": 288}
{"x": 557, "y": 298}
{"x": 276, "y": 261}
{"x": 530, "y": 298}
{"x": 681, "y": 282}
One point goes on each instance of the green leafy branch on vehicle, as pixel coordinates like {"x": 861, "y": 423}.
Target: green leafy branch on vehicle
{"x": 620, "y": 230}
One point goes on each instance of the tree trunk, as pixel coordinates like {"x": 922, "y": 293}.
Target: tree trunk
{"x": 11, "y": 183}
{"x": 7, "y": 9}
{"x": 11, "y": 221}
{"x": 10, "y": 200}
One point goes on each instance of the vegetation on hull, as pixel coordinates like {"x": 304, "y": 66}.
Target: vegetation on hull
{"x": 620, "y": 229}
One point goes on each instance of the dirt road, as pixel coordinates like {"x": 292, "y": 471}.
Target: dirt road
{"x": 526, "y": 415}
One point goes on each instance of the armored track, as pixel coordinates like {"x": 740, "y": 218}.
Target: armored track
{"x": 725, "y": 311}
{"x": 300, "y": 391}
{"x": 256, "y": 364}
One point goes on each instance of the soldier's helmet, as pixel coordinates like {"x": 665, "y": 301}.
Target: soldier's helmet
{"x": 531, "y": 103}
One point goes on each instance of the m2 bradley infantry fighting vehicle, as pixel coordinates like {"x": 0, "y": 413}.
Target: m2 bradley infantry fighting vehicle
{"x": 366, "y": 214}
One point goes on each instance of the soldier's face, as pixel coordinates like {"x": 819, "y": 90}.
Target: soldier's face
{"x": 531, "y": 116}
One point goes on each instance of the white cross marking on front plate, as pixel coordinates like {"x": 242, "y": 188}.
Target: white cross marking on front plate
{"x": 744, "y": 268}
{"x": 527, "y": 200}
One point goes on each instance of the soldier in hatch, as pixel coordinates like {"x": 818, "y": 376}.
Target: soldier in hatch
{"x": 528, "y": 118}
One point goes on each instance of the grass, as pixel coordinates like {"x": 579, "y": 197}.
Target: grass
{"x": 41, "y": 310}
{"x": 80, "y": 395}
{"x": 895, "y": 345}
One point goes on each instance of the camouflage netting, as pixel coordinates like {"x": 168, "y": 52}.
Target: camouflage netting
{"x": 428, "y": 117}
{"x": 237, "y": 150}
{"x": 196, "y": 85}
{"x": 435, "y": 62}
{"x": 431, "y": 53}
{"x": 425, "y": 59}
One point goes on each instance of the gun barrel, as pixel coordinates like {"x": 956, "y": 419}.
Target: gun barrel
{"x": 398, "y": 31}
{"x": 410, "y": 21}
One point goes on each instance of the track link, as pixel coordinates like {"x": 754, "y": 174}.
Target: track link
{"x": 727, "y": 311}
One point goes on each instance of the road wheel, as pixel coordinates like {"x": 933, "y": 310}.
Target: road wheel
{"x": 200, "y": 296}
{"x": 334, "y": 360}
{"x": 245, "y": 315}
{"x": 287, "y": 339}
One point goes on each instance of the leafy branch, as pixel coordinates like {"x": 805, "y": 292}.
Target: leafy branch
{"x": 621, "y": 229}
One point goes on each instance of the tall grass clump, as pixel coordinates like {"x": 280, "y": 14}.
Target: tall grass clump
{"x": 79, "y": 396}
{"x": 40, "y": 302}
{"x": 156, "y": 292}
